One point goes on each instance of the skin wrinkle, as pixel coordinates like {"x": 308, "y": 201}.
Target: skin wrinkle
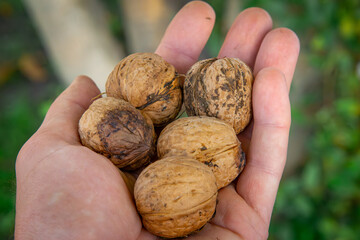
{"x": 38, "y": 163}
{"x": 285, "y": 62}
{"x": 226, "y": 229}
{"x": 262, "y": 212}
{"x": 229, "y": 212}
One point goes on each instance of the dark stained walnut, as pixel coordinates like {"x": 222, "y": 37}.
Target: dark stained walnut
{"x": 175, "y": 196}
{"x": 149, "y": 83}
{"x": 208, "y": 140}
{"x": 120, "y": 132}
{"x": 220, "y": 88}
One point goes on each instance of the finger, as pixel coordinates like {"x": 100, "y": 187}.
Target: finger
{"x": 280, "y": 49}
{"x": 187, "y": 35}
{"x": 259, "y": 181}
{"x": 233, "y": 213}
{"x": 64, "y": 114}
{"x": 245, "y": 35}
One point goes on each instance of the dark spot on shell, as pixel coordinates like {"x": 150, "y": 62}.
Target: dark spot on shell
{"x": 203, "y": 148}
{"x": 136, "y": 147}
{"x": 242, "y": 160}
{"x": 230, "y": 106}
{"x": 214, "y": 211}
{"x": 216, "y": 95}
{"x": 223, "y": 70}
{"x": 147, "y": 174}
{"x": 237, "y": 73}
{"x": 243, "y": 78}
{"x": 241, "y": 104}
{"x": 208, "y": 18}
{"x": 225, "y": 87}
{"x": 195, "y": 90}
{"x": 163, "y": 108}
{"x": 170, "y": 83}
{"x": 209, "y": 163}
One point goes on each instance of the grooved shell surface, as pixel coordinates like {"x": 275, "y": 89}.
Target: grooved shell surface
{"x": 175, "y": 196}
{"x": 220, "y": 88}
{"x": 117, "y": 130}
{"x": 207, "y": 139}
{"x": 149, "y": 83}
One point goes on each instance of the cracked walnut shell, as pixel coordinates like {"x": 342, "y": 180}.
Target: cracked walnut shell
{"x": 220, "y": 88}
{"x": 120, "y": 132}
{"x": 149, "y": 83}
{"x": 207, "y": 139}
{"x": 175, "y": 196}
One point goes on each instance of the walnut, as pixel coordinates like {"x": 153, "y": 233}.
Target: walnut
{"x": 175, "y": 196}
{"x": 129, "y": 181}
{"x": 207, "y": 139}
{"x": 220, "y": 88}
{"x": 148, "y": 83}
{"x": 117, "y": 130}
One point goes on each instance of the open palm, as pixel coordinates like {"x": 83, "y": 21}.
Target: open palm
{"x": 66, "y": 191}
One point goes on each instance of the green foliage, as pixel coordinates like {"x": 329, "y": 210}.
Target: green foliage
{"x": 24, "y": 103}
{"x": 17, "y": 122}
{"x": 321, "y": 201}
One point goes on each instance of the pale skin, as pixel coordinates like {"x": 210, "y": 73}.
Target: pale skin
{"x": 66, "y": 191}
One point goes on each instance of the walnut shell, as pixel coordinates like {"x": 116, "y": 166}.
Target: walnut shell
{"x": 207, "y": 139}
{"x": 149, "y": 83}
{"x": 117, "y": 130}
{"x": 175, "y": 196}
{"x": 220, "y": 88}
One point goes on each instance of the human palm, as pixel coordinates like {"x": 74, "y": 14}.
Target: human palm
{"x": 66, "y": 191}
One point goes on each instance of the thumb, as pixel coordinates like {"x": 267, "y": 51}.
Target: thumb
{"x": 65, "y": 112}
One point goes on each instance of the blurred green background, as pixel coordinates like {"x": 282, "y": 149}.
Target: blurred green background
{"x": 319, "y": 199}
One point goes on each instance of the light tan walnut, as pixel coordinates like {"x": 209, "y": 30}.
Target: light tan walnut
{"x": 149, "y": 83}
{"x": 175, "y": 196}
{"x": 207, "y": 139}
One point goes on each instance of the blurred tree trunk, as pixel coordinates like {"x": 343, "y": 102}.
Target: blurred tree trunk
{"x": 232, "y": 10}
{"x": 146, "y": 22}
{"x": 305, "y": 78}
{"x": 77, "y": 38}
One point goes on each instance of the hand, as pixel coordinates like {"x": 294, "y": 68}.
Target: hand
{"x": 66, "y": 191}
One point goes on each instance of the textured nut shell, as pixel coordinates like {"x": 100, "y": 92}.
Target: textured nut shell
{"x": 207, "y": 139}
{"x": 175, "y": 196}
{"x": 129, "y": 181}
{"x": 220, "y": 88}
{"x": 117, "y": 130}
{"x": 149, "y": 83}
